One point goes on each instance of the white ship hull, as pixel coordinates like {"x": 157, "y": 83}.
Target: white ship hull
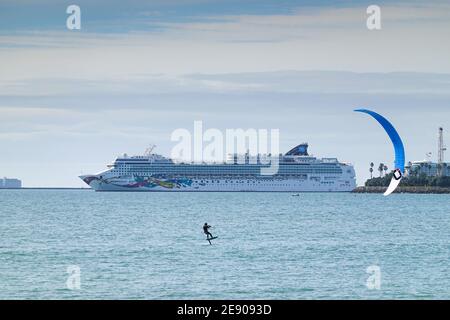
{"x": 219, "y": 185}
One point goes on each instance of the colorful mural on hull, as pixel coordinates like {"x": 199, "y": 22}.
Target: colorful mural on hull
{"x": 88, "y": 180}
{"x": 151, "y": 182}
{"x": 148, "y": 182}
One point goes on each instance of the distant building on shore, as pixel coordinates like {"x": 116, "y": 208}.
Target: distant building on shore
{"x": 6, "y": 183}
{"x": 429, "y": 168}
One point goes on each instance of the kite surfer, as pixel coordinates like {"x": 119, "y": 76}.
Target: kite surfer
{"x": 206, "y": 226}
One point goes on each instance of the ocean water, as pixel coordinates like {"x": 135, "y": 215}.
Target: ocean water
{"x": 270, "y": 245}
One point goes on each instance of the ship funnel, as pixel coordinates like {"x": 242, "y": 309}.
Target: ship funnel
{"x": 300, "y": 150}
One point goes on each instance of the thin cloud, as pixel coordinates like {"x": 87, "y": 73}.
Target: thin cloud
{"x": 325, "y": 39}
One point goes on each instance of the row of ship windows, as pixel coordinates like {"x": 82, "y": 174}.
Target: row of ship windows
{"x": 255, "y": 182}
{"x": 158, "y": 165}
{"x": 259, "y": 177}
{"x": 234, "y": 167}
{"x": 229, "y": 173}
{"x": 243, "y": 168}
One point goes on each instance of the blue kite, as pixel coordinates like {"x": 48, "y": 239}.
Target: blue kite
{"x": 398, "y": 147}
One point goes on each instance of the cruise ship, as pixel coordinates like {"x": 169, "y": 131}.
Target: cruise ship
{"x": 297, "y": 172}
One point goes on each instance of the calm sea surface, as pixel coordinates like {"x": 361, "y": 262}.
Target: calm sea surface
{"x": 270, "y": 245}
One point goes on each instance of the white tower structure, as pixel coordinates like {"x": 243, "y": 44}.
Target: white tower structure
{"x": 441, "y": 150}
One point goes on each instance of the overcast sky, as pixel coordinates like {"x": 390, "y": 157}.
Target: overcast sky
{"x": 71, "y": 101}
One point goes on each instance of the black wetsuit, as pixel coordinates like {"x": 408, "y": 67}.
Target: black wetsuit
{"x": 205, "y": 230}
